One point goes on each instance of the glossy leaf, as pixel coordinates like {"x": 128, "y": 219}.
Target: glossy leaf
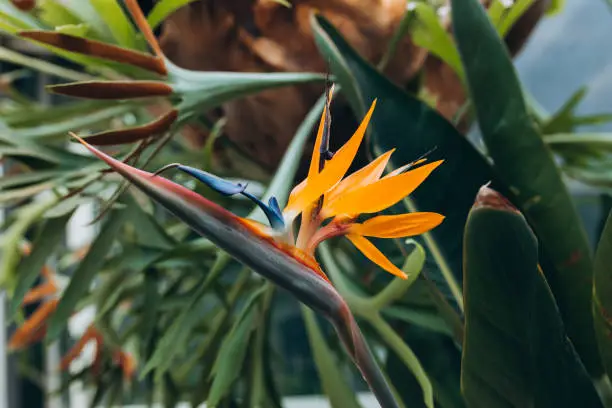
{"x": 86, "y": 272}
{"x": 511, "y": 319}
{"x": 602, "y": 296}
{"x": 524, "y": 162}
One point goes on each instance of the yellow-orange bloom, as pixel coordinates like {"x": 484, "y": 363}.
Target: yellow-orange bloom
{"x": 329, "y": 194}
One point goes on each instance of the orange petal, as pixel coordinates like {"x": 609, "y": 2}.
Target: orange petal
{"x": 333, "y": 172}
{"x": 89, "y": 335}
{"x": 380, "y": 195}
{"x": 314, "y": 161}
{"x": 39, "y": 292}
{"x": 316, "y": 151}
{"x": 374, "y": 255}
{"x": 398, "y": 226}
{"x": 258, "y": 228}
{"x": 127, "y": 363}
{"x": 367, "y": 175}
{"x": 27, "y": 332}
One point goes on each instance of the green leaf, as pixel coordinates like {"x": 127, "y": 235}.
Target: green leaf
{"x": 147, "y": 229}
{"x": 77, "y": 30}
{"x": 602, "y": 300}
{"x": 117, "y": 22}
{"x": 172, "y": 342}
{"x": 85, "y": 273}
{"x": 26, "y": 179}
{"x": 86, "y": 13}
{"x": 200, "y": 90}
{"x": 511, "y": 16}
{"x": 15, "y": 19}
{"x": 61, "y": 129}
{"x": 402, "y": 121}
{"x": 524, "y": 162}
{"x": 13, "y": 235}
{"x": 333, "y": 381}
{"x": 598, "y": 141}
{"x": 426, "y": 31}
{"x": 50, "y": 236}
{"x": 163, "y": 9}
{"x": 151, "y": 302}
{"x": 515, "y": 351}
{"x": 230, "y": 359}
{"x": 54, "y": 14}
{"x": 41, "y": 65}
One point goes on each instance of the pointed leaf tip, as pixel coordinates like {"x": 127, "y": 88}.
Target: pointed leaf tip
{"x": 134, "y": 134}
{"x": 487, "y": 197}
{"x": 113, "y": 89}
{"x": 97, "y": 49}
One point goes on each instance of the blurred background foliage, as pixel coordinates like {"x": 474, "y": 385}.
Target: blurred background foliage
{"x": 199, "y": 326}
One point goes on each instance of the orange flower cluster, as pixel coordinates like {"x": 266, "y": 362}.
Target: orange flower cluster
{"x": 34, "y": 329}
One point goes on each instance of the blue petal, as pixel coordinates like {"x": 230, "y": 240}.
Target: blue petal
{"x": 221, "y": 186}
{"x": 272, "y": 212}
{"x": 273, "y": 204}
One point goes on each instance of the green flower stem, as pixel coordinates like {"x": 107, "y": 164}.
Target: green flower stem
{"x": 398, "y": 287}
{"x": 368, "y": 308}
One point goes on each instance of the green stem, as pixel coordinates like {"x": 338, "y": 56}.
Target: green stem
{"x": 368, "y": 308}
{"x": 405, "y": 353}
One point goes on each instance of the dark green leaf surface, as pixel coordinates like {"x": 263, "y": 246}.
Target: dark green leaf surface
{"x": 231, "y": 356}
{"x": 515, "y": 351}
{"x": 525, "y": 163}
{"x": 602, "y": 299}
{"x": 86, "y": 272}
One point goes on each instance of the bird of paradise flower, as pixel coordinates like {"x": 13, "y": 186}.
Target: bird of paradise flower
{"x": 327, "y": 204}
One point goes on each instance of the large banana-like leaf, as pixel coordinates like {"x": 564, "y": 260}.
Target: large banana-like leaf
{"x": 524, "y": 162}
{"x": 602, "y": 298}
{"x": 515, "y": 352}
